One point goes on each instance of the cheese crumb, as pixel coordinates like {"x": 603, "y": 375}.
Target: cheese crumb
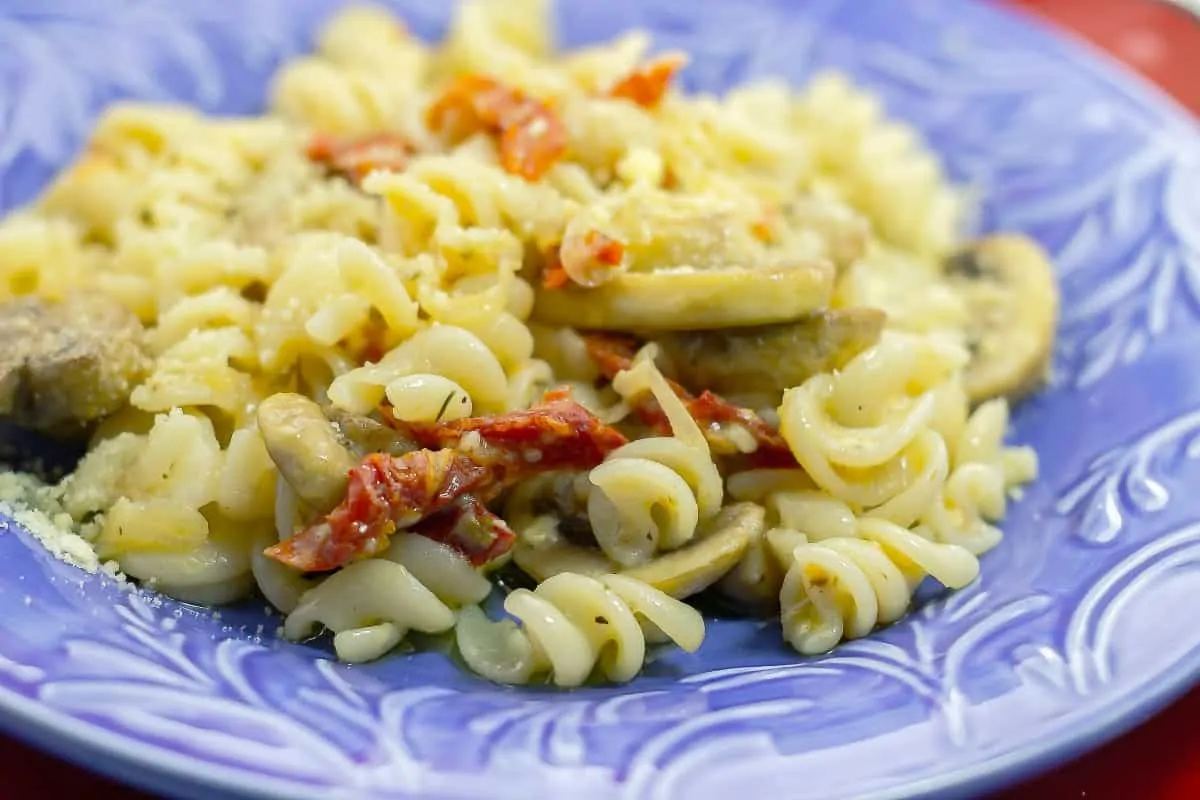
{"x": 38, "y": 509}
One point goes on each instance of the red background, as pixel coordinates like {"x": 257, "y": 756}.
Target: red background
{"x": 1158, "y": 761}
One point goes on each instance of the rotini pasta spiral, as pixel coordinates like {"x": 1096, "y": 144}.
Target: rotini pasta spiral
{"x": 214, "y": 572}
{"x": 177, "y": 508}
{"x": 842, "y": 588}
{"x": 974, "y": 494}
{"x": 856, "y": 433}
{"x": 350, "y": 98}
{"x": 370, "y": 606}
{"x": 327, "y": 294}
{"x": 649, "y": 496}
{"x": 441, "y": 372}
{"x": 460, "y": 207}
{"x": 41, "y": 255}
{"x": 982, "y": 441}
{"x": 882, "y": 166}
{"x": 370, "y": 37}
{"x": 511, "y": 41}
{"x": 652, "y": 493}
{"x": 571, "y": 623}
{"x": 907, "y": 288}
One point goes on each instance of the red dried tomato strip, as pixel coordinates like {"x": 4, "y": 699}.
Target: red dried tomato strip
{"x": 388, "y": 492}
{"x": 469, "y": 528}
{"x": 355, "y": 158}
{"x": 614, "y": 353}
{"x": 557, "y": 434}
{"x": 385, "y": 493}
{"x": 647, "y": 84}
{"x": 530, "y": 135}
{"x": 712, "y": 412}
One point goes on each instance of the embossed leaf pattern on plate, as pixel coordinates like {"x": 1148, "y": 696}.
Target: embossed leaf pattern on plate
{"x": 1060, "y": 146}
{"x": 1122, "y": 480}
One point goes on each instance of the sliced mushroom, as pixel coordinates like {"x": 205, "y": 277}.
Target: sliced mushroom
{"x": 1008, "y": 284}
{"x": 689, "y": 299}
{"x": 67, "y": 364}
{"x": 771, "y": 358}
{"x": 365, "y": 435}
{"x": 717, "y": 548}
{"x": 306, "y": 448}
{"x": 553, "y": 555}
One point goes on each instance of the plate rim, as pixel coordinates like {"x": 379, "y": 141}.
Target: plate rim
{"x": 153, "y": 767}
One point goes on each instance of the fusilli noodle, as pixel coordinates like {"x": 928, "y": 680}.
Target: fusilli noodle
{"x": 572, "y": 623}
{"x": 841, "y": 588}
{"x": 370, "y": 606}
{"x": 652, "y": 493}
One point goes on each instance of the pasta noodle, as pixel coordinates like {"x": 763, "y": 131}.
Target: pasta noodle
{"x": 856, "y": 432}
{"x": 443, "y": 372}
{"x": 370, "y": 606}
{"x": 571, "y": 623}
{"x": 444, "y": 310}
{"x": 652, "y": 493}
{"x": 841, "y": 588}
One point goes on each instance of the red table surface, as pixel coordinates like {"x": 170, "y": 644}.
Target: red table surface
{"x": 1159, "y": 760}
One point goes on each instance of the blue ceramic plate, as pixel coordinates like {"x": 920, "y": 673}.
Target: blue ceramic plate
{"x": 1082, "y": 624}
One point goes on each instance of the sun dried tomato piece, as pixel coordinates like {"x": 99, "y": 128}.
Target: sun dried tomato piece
{"x": 355, "y": 158}
{"x": 468, "y": 105}
{"x": 531, "y": 137}
{"x": 647, "y": 83}
{"x": 387, "y": 493}
{"x": 605, "y": 250}
{"x": 557, "y": 434}
{"x": 614, "y": 353}
{"x": 764, "y": 227}
{"x": 471, "y": 529}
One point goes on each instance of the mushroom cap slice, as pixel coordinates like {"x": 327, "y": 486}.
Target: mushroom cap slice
{"x": 689, "y": 299}
{"x": 771, "y": 358}
{"x": 68, "y": 363}
{"x": 708, "y": 558}
{"x": 1008, "y": 284}
{"x": 719, "y": 545}
{"x": 555, "y": 555}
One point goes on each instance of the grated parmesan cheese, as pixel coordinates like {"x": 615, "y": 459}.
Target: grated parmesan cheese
{"x": 38, "y": 508}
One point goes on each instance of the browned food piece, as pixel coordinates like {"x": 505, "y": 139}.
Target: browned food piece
{"x": 66, "y": 364}
{"x": 1008, "y": 284}
{"x": 771, "y": 358}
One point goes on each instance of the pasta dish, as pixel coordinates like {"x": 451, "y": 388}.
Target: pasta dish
{"x": 485, "y": 313}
